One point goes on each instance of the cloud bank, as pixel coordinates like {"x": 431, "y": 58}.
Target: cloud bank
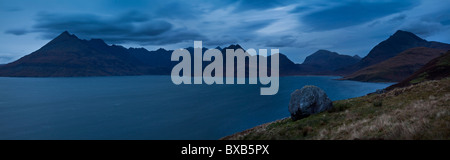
{"x": 296, "y": 27}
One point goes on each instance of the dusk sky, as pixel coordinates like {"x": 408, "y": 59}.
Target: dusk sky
{"x": 297, "y": 28}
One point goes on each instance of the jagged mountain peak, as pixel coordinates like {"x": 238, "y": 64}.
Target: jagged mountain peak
{"x": 234, "y": 46}
{"x": 161, "y": 49}
{"x": 97, "y": 41}
{"x": 66, "y": 35}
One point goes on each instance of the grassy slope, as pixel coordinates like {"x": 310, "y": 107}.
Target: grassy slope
{"x": 420, "y": 111}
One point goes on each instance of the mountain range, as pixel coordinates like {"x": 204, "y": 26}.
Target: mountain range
{"x": 68, "y": 56}
{"x": 394, "y": 59}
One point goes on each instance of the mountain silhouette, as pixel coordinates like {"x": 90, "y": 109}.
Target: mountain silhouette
{"x": 357, "y": 57}
{"x": 327, "y": 61}
{"x": 395, "y": 44}
{"x": 68, "y": 56}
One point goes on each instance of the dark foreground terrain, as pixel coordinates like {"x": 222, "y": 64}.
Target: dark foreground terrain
{"x": 420, "y": 111}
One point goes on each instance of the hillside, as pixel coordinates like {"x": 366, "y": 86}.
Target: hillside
{"x": 436, "y": 69}
{"x": 420, "y": 111}
{"x": 395, "y": 44}
{"x": 396, "y": 68}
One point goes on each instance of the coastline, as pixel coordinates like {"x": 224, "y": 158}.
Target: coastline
{"x": 419, "y": 111}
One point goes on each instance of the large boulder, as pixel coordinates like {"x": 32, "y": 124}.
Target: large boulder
{"x": 307, "y": 101}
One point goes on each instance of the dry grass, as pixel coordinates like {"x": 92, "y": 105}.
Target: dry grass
{"x": 421, "y": 111}
{"x": 415, "y": 121}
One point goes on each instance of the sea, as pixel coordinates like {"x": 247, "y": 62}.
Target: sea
{"x": 148, "y": 107}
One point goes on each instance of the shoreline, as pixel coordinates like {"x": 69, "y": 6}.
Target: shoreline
{"x": 390, "y": 115}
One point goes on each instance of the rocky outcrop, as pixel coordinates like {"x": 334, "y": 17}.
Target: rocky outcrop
{"x": 307, "y": 101}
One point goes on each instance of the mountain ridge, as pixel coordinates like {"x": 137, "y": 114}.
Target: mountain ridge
{"x": 68, "y": 56}
{"x": 395, "y": 44}
{"x": 327, "y": 61}
{"x": 398, "y": 67}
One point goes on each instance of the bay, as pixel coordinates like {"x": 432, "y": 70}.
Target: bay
{"x": 147, "y": 107}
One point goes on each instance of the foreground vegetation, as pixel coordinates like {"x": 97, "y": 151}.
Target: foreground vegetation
{"x": 421, "y": 111}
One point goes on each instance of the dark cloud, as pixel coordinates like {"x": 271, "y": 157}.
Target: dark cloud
{"x": 172, "y": 37}
{"x": 424, "y": 28}
{"x": 429, "y": 24}
{"x": 445, "y": 22}
{"x": 444, "y": 18}
{"x": 130, "y": 27}
{"x": 255, "y": 25}
{"x": 132, "y": 16}
{"x": 177, "y": 10}
{"x": 127, "y": 24}
{"x": 16, "y": 32}
{"x": 301, "y": 26}
{"x": 177, "y": 36}
{"x": 354, "y": 13}
{"x": 284, "y": 41}
{"x": 243, "y": 32}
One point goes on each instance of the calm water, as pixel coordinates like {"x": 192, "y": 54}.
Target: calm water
{"x": 147, "y": 107}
